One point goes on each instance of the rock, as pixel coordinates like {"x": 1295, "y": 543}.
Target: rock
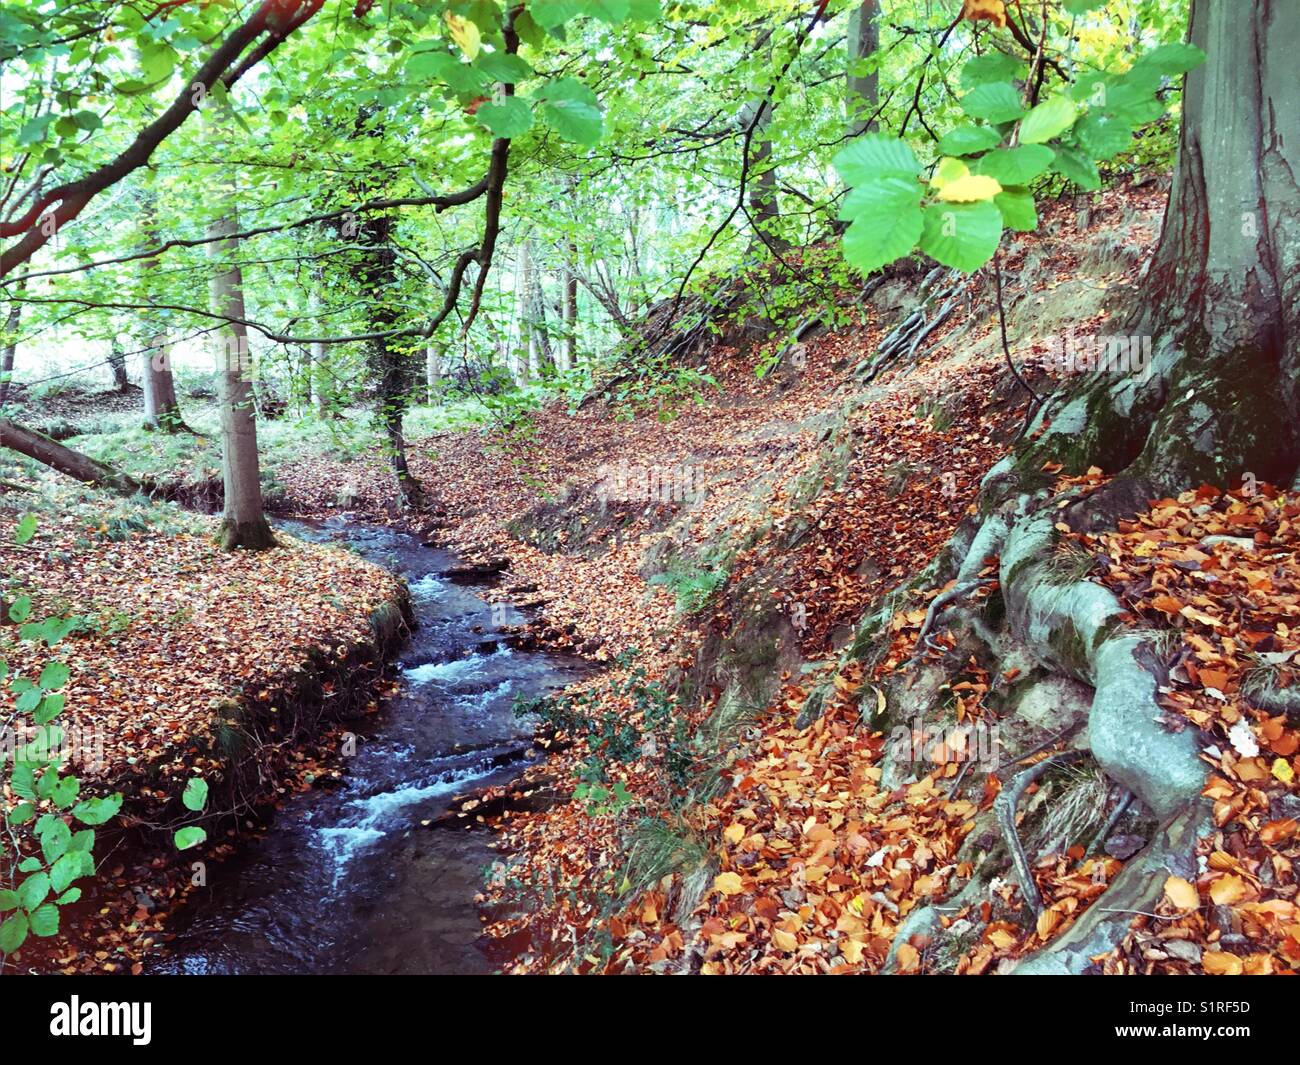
{"x": 1124, "y": 847}
{"x": 474, "y": 570}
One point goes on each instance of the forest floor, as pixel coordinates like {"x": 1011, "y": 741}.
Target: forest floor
{"x": 819, "y": 494}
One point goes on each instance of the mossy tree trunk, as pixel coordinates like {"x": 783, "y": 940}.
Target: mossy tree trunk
{"x": 1220, "y": 305}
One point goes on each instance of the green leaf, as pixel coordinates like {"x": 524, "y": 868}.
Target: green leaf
{"x": 512, "y": 117}
{"x": 157, "y": 61}
{"x": 1081, "y": 7}
{"x": 54, "y": 842}
{"x": 33, "y": 890}
{"x": 992, "y": 66}
{"x": 1016, "y": 166}
{"x": 571, "y": 109}
{"x": 50, "y": 708}
{"x": 97, "y": 811}
{"x": 8, "y": 900}
{"x": 195, "y": 796}
{"x": 29, "y": 700}
{"x": 645, "y": 10}
{"x": 961, "y": 235}
{"x": 460, "y": 77}
{"x": 54, "y": 675}
{"x": 552, "y": 13}
{"x": 70, "y": 896}
{"x": 886, "y": 222}
{"x": 1077, "y": 167}
{"x": 22, "y": 813}
{"x": 20, "y": 609}
{"x": 23, "y": 781}
{"x": 189, "y": 837}
{"x": 1172, "y": 59}
{"x": 64, "y": 871}
{"x": 13, "y": 933}
{"x": 873, "y": 156}
{"x": 504, "y": 67}
{"x": 45, "y": 920}
{"x": 994, "y": 102}
{"x": 969, "y": 139}
{"x": 25, "y": 529}
{"x": 1049, "y": 119}
{"x": 1103, "y": 136}
{"x": 64, "y": 793}
{"x": 87, "y": 120}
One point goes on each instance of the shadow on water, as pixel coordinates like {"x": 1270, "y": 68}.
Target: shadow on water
{"x": 346, "y": 880}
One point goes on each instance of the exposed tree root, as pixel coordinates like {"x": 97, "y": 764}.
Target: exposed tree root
{"x": 1004, "y": 808}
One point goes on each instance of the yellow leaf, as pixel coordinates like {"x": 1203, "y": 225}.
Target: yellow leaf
{"x": 969, "y": 189}
{"x": 948, "y": 171}
{"x": 728, "y": 883}
{"x": 784, "y": 940}
{"x": 907, "y": 958}
{"x": 734, "y": 833}
{"x": 1181, "y": 894}
{"x": 852, "y": 951}
{"x": 1221, "y": 963}
{"x": 465, "y": 34}
{"x": 994, "y": 11}
{"x": 1283, "y": 771}
{"x": 1228, "y": 890}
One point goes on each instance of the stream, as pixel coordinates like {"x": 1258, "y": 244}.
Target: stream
{"x": 346, "y": 880}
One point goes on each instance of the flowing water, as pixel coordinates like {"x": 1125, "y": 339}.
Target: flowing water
{"x": 347, "y": 880}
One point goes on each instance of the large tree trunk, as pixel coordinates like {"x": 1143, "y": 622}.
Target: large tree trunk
{"x": 862, "y": 89}
{"x": 72, "y": 463}
{"x": 161, "y": 410}
{"x": 394, "y": 366}
{"x": 1220, "y": 306}
{"x": 243, "y": 524}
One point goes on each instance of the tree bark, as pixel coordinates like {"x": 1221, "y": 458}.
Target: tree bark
{"x": 72, "y": 463}
{"x": 393, "y": 366}
{"x": 117, "y": 366}
{"x": 1220, "y": 306}
{"x": 243, "y": 523}
{"x": 11, "y": 341}
{"x": 570, "y": 346}
{"x": 433, "y": 371}
{"x": 161, "y": 410}
{"x": 863, "y": 90}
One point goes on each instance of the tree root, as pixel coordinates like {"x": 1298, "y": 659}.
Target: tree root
{"x": 906, "y": 338}
{"x": 937, "y": 604}
{"x": 1004, "y": 808}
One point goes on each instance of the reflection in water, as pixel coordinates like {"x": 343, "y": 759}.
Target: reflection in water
{"x": 346, "y": 880}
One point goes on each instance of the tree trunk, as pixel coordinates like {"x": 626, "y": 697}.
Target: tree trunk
{"x": 570, "y": 346}
{"x": 1220, "y": 306}
{"x": 763, "y": 209}
{"x": 863, "y": 90}
{"x": 117, "y": 366}
{"x": 393, "y": 365}
{"x": 161, "y": 411}
{"x": 433, "y": 371}
{"x": 72, "y": 463}
{"x": 243, "y": 523}
{"x": 11, "y": 341}
{"x": 518, "y": 357}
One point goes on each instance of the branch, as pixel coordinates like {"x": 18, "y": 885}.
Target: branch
{"x": 273, "y": 16}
